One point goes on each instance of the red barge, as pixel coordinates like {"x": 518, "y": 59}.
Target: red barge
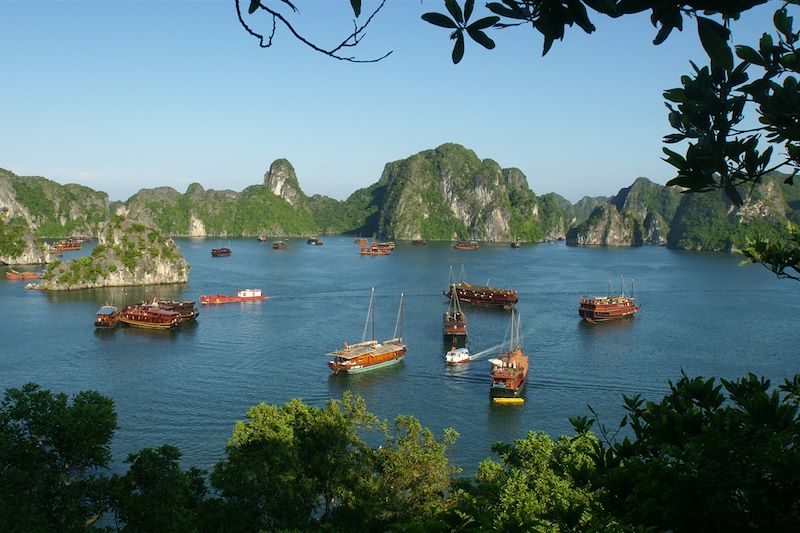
{"x": 13, "y": 275}
{"x": 146, "y": 317}
{"x": 244, "y": 295}
{"x": 605, "y": 308}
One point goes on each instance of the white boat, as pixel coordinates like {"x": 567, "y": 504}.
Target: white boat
{"x": 457, "y": 356}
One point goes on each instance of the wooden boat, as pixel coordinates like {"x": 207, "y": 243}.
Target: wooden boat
{"x": 279, "y": 245}
{"x": 146, "y": 317}
{"x": 107, "y": 317}
{"x": 375, "y": 250}
{"x": 261, "y": 238}
{"x": 370, "y": 354}
{"x": 386, "y": 244}
{"x": 316, "y": 241}
{"x": 466, "y": 245}
{"x": 484, "y": 296}
{"x": 510, "y": 371}
{"x": 457, "y": 356}
{"x": 605, "y": 308}
{"x": 360, "y": 241}
{"x": 243, "y": 295}
{"x": 516, "y": 243}
{"x": 13, "y": 275}
{"x": 185, "y": 309}
{"x": 220, "y": 252}
{"x": 455, "y": 322}
{"x": 419, "y": 242}
{"x": 68, "y": 245}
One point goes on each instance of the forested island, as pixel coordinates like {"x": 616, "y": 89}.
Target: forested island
{"x": 446, "y": 193}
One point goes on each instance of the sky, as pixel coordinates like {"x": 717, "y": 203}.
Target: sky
{"x": 120, "y": 95}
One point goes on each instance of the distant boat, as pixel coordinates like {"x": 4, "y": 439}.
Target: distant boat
{"x": 107, "y": 317}
{"x": 261, "y": 238}
{"x": 316, "y": 241}
{"x": 510, "y": 371}
{"x": 466, "y": 245}
{"x": 68, "y": 245}
{"x": 360, "y": 241}
{"x": 386, "y": 244}
{"x": 370, "y": 354}
{"x": 243, "y": 295}
{"x": 186, "y": 311}
{"x": 146, "y": 317}
{"x": 484, "y": 296}
{"x": 454, "y": 321}
{"x": 375, "y": 250}
{"x": 220, "y": 252}
{"x": 516, "y": 243}
{"x": 457, "y": 356}
{"x": 419, "y": 242}
{"x": 13, "y": 275}
{"x": 279, "y": 245}
{"x": 605, "y": 308}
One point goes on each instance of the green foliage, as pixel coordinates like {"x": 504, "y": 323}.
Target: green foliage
{"x": 12, "y": 237}
{"x": 781, "y": 256}
{"x": 52, "y": 451}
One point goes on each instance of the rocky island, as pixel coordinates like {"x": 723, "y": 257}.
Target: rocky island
{"x": 18, "y": 246}
{"x": 127, "y": 253}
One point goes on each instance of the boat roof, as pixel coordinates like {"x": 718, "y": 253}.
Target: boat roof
{"x": 107, "y": 310}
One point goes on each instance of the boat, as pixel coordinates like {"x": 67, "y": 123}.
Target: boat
{"x": 146, "y": 317}
{"x": 316, "y": 241}
{"x": 419, "y": 242}
{"x": 68, "y": 245}
{"x": 279, "y": 245}
{"x": 360, "y": 241}
{"x": 484, "y": 296}
{"x": 457, "y": 356}
{"x": 370, "y": 354}
{"x": 466, "y": 245}
{"x": 220, "y": 252}
{"x": 106, "y": 317}
{"x": 455, "y": 322}
{"x": 185, "y": 309}
{"x": 243, "y": 295}
{"x": 386, "y": 244}
{"x": 605, "y": 308}
{"x": 13, "y": 275}
{"x": 516, "y": 243}
{"x": 510, "y": 371}
{"x": 375, "y": 250}
{"x": 261, "y": 238}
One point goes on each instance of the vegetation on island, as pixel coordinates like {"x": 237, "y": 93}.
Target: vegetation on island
{"x": 709, "y": 456}
{"x": 12, "y": 236}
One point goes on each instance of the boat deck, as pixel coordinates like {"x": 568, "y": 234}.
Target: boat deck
{"x": 371, "y": 348}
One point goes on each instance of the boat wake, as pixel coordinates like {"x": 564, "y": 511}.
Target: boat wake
{"x": 484, "y": 353}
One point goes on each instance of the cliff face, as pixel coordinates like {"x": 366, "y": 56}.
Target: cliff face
{"x": 51, "y": 209}
{"x": 18, "y": 246}
{"x": 127, "y": 253}
{"x": 636, "y": 215}
{"x": 448, "y": 193}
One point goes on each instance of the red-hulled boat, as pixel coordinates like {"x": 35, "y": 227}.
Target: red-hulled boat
{"x": 13, "y": 275}
{"x": 455, "y": 323}
{"x": 483, "y": 296}
{"x": 145, "y": 317}
{"x": 243, "y": 295}
{"x": 605, "y": 308}
{"x": 375, "y": 249}
{"x": 510, "y": 371}
{"x": 68, "y": 245}
{"x": 107, "y": 317}
{"x": 466, "y": 245}
{"x": 186, "y": 311}
{"x": 220, "y": 252}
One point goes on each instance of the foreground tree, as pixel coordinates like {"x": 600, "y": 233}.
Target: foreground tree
{"x": 52, "y": 455}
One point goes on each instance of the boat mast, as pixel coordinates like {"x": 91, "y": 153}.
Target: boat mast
{"x": 398, "y": 326}
{"x": 370, "y": 317}
{"x": 622, "y": 283}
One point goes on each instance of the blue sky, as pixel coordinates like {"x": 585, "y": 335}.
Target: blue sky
{"x": 123, "y": 95}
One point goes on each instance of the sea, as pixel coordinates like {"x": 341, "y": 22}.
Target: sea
{"x": 702, "y": 313}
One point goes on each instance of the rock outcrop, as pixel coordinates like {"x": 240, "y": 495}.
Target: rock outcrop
{"x": 281, "y": 181}
{"x": 127, "y": 253}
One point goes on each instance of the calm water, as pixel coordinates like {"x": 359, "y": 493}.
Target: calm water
{"x": 701, "y": 312}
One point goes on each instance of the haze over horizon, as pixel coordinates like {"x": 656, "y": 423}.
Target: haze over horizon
{"x": 124, "y": 95}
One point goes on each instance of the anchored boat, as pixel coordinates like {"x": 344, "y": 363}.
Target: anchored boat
{"x": 243, "y": 295}
{"x": 145, "y": 317}
{"x": 510, "y": 371}
{"x": 220, "y": 252}
{"x": 481, "y": 295}
{"x": 107, "y": 317}
{"x": 370, "y": 354}
{"x": 605, "y": 308}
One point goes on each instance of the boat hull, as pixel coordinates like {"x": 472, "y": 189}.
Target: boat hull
{"x": 230, "y": 299}
{"x": 607, "y": 309}
{"x": 148, "y": 325}
{"x": 361, "y": 370}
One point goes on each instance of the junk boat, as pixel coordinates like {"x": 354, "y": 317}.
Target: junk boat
{"x": 360, "y": 241}
{"x": 107, "y": 317}
{"x": 141, "y": 316}
{"x": 484, "y": 296}
{"x": 220, "y": 252}
{"x": 466, "y": 245}
{"x": 510, "y": 370}
{"x": 243, "y": 295}
{"x": 605, "y": 308}
{"x": 13, "y": 275}
{"x": 516, "y": 243}
{"x": 456, "y": 356}
{"x": 375, "y": 250}
{"x": 419, "y": 242}
{"x": 68, "y": 245}
{"x": 454, "y": 326}
{"x": 316, "y": 241}
{"x": 186, "y": 311}
{"x": 278, "y": 245}
{"x": 370, "y": 354}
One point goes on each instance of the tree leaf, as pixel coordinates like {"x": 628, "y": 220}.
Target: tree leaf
{"x": 481, "y": 38}
{"x": 714, "y": 38}
{"x": 468, "y": 7}
{"x": 482, "y": 24}
{"x": 783, "y": 22}
{"x": 254, "y": 4}
{"x": 356, "y": 5}
{"x": 437, "y": 19}
{"x": 749, "y": 54}
{"x": 503, "y": 11}
{"x": 458, "y": 48}
{"x": 455, "y": 10}
{"x": 288, "y": 3}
